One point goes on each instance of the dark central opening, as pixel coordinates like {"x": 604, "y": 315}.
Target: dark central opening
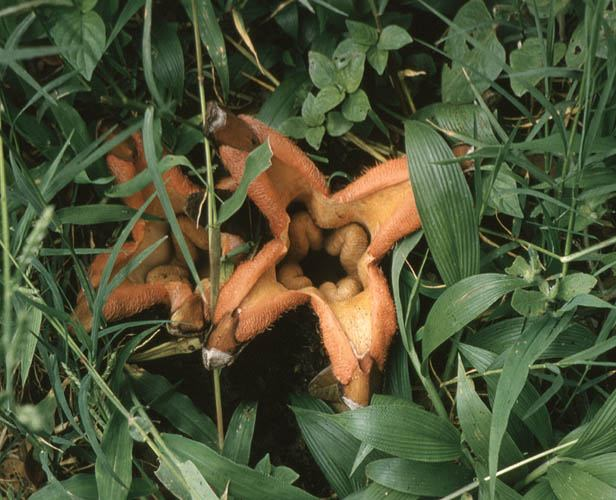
{"x": 320, "y": 267}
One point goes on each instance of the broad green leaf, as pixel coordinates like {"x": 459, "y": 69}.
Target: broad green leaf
{"x": 168, "y": 59}
{"x": 257, "y": 162}
{"x": 444, "y": 203}
{"x": 72, "y": 125}
{"x": 349, "y": 59}
{"x": 156, "y": 392}
{"x": 377, "y": 492}
{"x": 328, "y": 98}
{"x": 465, "y": 120}
{"x": 502, "y": 196}
{"x": 575, "y": 284}
{"x": 417, "y": 478}
{"x": 378, "y": 59}
{"x": 280, "y": 472}
{"x": 541, "y": 491}
{"x": 483, "y": 63}
{"x": 322, "y": 70}
{"x": 314, "y": 136}
{"x": 238, "y": 438}
{"x": 570, "y": 482}
{"x": 332, "y": 448}
{"x": 81, "y": 38}
{"x": 337, "y": 124}
{"x": 393, "y": 38}
{"x": 356, "y": 106}
{"x": 475, "y": 419}
{"x": 294, "y": 127}
{"x": 191, "y": 485}
{"x": 538, "y": 422}
{"x": 39, "y": 418}
{"x": 462, "y": 303}
{"x": 522, "y": 269}
{"x": 530, "y": 56}
{"x": 403, "y": 430}
{"x": 362, "y": 33}
{"x": 500, "y": 336}
{"x": 311, "y": 115}
{"x": 529, "y": 303}
{"x": 118, "y": 447}
{"x": 212, "y": 38}
{"x": 546, "y": 8}
{"x": 599, "y": 435}
{"x": 603, "y": 467}
{"x": 220, "y": 472}
{"x": 535, "y": 339}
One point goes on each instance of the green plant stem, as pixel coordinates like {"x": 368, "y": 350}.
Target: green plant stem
{"x": 471, "y": 486}
{"x": 7, "y": 333}
{"x": 218, "y": 400}
{"x": 213, "y": 228}
{"x": 426, "y": 381}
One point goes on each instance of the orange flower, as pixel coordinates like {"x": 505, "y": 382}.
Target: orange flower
{"x": 359, "y": 225}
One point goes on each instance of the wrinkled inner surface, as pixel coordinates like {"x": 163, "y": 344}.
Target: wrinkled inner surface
{"x": 324, "y": 259}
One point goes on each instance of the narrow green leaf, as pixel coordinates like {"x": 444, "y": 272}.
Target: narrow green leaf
{"x": 193, "y": 486}
{"x": 238, "y": 438}
{"x": 599, "y": 435}
{"x": 461, "y": 304}
{"x": 403, "y": 430}
{"x": 156, "y": 392}
{"x": 537, "y": 336}
{"x": 27, "y": 349}
{"x": 143, "y": 178}
{"x": 220, "y": 472}
{"x": 475, "y": 419}
{"x": 444, "y": 203}
{"x": 83, "y": 487}
{"x": 257, "y": 162}
{"x": 94, "y": 214}
{"x": 332, "y": 448}
{"x": 212, "y": 38}
{"x": 118, "y": 447}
